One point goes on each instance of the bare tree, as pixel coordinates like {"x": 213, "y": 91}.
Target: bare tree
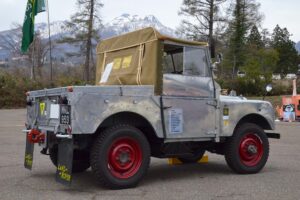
{"x": 201, "y": 18}
{"x": 11, "y": 41}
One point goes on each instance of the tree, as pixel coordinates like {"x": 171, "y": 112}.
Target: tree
{"x": 36, "y": 53}
{"x": 288, "y": 55}
{"x": 260, "y": 61}
{"x": 245, "y": 16}
{"x": 86, "y": 23}
{"x": 201, "y": 18}
{"x": 254, "y": 39}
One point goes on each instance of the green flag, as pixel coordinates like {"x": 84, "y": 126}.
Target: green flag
{"x": 32, "y": 9}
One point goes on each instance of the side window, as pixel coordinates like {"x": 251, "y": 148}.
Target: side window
{"x": 195, "y": 62}
{"x": 172, "y": 59}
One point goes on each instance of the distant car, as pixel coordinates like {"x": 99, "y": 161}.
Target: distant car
{"x": 276, "y": 76}
{"x": 291, "y": 76}
{"x": 241, "y": 74}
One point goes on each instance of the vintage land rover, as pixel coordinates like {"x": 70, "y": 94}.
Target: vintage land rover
{"x": 155, "y": 96}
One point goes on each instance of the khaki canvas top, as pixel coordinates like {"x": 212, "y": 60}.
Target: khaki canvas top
{"x": 134, "y": 58}
{"x": 140, "y": 36}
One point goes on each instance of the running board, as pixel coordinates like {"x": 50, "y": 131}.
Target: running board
{"x": 273, "y": 135}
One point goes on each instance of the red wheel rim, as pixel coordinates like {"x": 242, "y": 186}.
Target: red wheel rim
{"x": 124, "y": 157}
{"x": 251, "y": 150}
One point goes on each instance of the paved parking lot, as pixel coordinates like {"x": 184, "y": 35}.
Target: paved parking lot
{"x": 280, "y": 179}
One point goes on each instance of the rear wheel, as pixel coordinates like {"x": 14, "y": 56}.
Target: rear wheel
{"x": 120, "y": 157}
{"x": 81, "y": 161}
{"x": 248, "y": 150}
{"x": 194, "y": 158}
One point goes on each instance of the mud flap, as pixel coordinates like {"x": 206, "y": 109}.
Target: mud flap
{"x": 28, "y": 154}
{"x": 64, "y": 161}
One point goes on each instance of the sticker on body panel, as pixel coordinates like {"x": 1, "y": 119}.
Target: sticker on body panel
{"x": 175, "y": 121}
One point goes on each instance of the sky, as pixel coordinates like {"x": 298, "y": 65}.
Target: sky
{"x": 285, "y": 13}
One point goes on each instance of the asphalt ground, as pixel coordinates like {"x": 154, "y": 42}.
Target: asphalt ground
{"x": 280, "y": 179}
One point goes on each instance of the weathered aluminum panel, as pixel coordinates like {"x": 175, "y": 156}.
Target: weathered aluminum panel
{"x": 190, "y": 107}
{"x": 240, "y": 107}
{"x": 90, "y": 109}
{"x": 193, "y": 86}
{"x": 91, "y": 105}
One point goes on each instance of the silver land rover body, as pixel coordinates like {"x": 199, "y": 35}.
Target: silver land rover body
{"x": 155, "y": 96}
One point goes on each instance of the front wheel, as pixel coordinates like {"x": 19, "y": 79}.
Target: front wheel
{"x": 120, "y": 157}
{"x": 247, "y": 151}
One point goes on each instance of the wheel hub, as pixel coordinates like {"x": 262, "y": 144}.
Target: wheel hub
{"x": 124, "y": 158}
{"x": 250, "y": 150}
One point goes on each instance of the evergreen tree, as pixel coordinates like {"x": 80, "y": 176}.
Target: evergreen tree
{"x": 254, "y": 39}
{"x": 201, "y": 18}
{"x": 288, "y": 55}
{"x": 86, "y": 22}
{"x": 245, "y": 16}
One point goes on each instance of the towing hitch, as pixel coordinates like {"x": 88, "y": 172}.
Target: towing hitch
{"x": 35, "y": 136}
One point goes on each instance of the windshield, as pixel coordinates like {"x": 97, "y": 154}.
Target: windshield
{"x": 195, "y": 62}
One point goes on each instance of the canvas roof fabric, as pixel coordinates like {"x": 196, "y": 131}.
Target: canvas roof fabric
{"x": 134, "y": 58}
{"x": 140, "y": 36}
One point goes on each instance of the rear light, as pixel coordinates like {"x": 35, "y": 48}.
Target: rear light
{"x": 69, "y": 130}
{"x": 70, "y": 88}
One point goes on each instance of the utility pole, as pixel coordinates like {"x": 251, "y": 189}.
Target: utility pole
{"x": 50, "y": 43}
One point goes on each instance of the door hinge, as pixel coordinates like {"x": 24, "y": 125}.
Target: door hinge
{"x": 212, "y": 103}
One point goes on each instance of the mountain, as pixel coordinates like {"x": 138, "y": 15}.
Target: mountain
{"x": 298, "y": 47}
{"x": 120, "y": 25}
{"x": 127, "y": 23}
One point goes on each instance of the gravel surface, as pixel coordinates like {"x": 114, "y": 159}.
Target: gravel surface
{"x": 280, "y": 179}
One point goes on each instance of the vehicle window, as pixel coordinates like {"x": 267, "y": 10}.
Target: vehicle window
{"x": 173, "y": 59}
{"x": 195, "y": 62}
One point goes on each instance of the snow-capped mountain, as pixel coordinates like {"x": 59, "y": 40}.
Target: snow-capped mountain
{"x": 59, "y": 29}
{"x": 127, "y": 23}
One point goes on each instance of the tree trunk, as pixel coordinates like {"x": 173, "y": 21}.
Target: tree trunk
{"x": 211, "y": 29}
{"x": 89, "y": 42}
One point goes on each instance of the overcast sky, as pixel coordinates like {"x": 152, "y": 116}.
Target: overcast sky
{"x": 285, "y": 13}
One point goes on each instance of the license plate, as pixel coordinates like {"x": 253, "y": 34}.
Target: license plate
{"x": 65, "y": 119}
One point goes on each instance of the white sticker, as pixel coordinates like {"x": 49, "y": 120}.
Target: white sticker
{"x": 54, "y": 111}
{"x": 226, "y": 117}
{"x": 106, "y": 72}
{"x": 175, "y": 121}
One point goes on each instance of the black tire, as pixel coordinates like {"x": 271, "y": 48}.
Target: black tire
{"x": 81, "y": 159}
{"x": 192, "y": 159}
{"x": 247, "y": 151}
{"x": 107, "y": 154}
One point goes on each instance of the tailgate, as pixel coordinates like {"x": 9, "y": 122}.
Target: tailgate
{"x": 47, "y": 109}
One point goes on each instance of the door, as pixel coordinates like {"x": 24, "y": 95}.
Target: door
{"x": 189, "y": 103}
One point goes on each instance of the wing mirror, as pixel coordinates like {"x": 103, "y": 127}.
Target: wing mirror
{"x": 219, "y": 60}
{"x": 269, "y": 88}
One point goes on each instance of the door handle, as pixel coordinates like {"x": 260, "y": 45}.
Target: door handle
{"x": 167, "y": 107}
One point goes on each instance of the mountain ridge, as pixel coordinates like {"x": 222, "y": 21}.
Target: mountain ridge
{"x": 59, "y": 29}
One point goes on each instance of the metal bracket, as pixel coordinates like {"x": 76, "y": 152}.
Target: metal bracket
{"x": 212, "y": 103}
{"x": 61, "y": 136}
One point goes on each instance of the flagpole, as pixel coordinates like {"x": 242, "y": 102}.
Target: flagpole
{"x": 50, "y": 43}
